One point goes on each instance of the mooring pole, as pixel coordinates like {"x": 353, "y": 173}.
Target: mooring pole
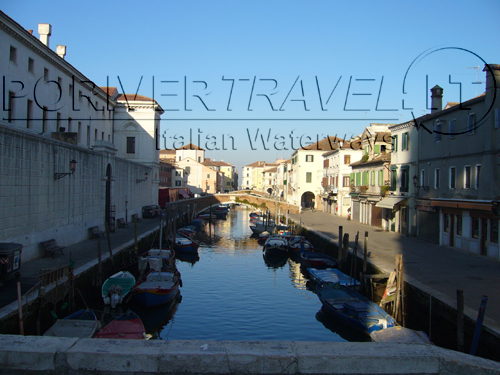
{"x": 365, "y": 259}
{"x": 20, "y": 308}
{"x": 136, "y": 248}
{"x": 341, "y": 239}
{"x": 479, "y": 325}
{"x": 460, "y": 320}
{"x": 109, "y": 244}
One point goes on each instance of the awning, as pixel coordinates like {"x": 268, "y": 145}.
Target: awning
{"x": 465, "y": 205}
{"x": 390, "y": 202}
{"x": 184, "y": 194}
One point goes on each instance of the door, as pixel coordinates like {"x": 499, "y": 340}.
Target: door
{"x": 484, "y": 236}
{"x": 452, "y": 230}
{"x": 404, "y": 220}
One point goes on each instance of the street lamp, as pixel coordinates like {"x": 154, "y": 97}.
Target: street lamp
{"x": 72, "y": 168}
{"x": 142, "y": 180}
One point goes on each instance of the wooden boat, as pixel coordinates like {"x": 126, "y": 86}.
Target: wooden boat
{"x": 401, "y": 335}
{"x": 353, "y": 309}
{"x": 126, "y": 326}
{"x": 331, "y": 275}
{"x": 310, "y": 259}
{"x": 299, "y": 244}
{"x": 117, "y": 287}
{"x": 81, "y": 324}
{"x": 157, "y": 288}
{"x": 188, "y": 232}
{"x": 263, "y": 237}
{"x": 276, "y": 245}
{"x": 184, "y": 244}
{"x": 276, "y": 260}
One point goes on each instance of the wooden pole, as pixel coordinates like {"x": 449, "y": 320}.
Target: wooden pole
{"x": 341, "y": 239}
{"x": 109, "y": 244}
{"x": 365, "y": 258}
{"x": 460, "y": 320}
{"x": 479, "y": 325}
{"x": 99, "y": 258}
{"x": 345, "y": 247}
{"x": 20, "y": 308}
{"x": 354, "y": 258}
{"x": 136, "y": 247}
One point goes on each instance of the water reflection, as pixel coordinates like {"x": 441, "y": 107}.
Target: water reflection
{"x": 275, "y": 261}
{"x": 298, "y": 278}
{"x": 156, "y": 320}
{"x": 191, "y": 258}
{"x": 347, "y": 333}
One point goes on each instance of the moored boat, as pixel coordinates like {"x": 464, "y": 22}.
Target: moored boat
{"x": 331, "y": 275}
{"x": 401, "y": 335}
{"x": 126, "y": 326}
{"x": 184, "y": 244}
{"x": 299, "y": 244}
{"x": 311, "y": 259}
{"x": 116, "y": 287}
{"x": 82, "y": 324}
{"x": 276, "y": 245}
{"x": 353, "y": 309}
{"x": 157, "y": 288}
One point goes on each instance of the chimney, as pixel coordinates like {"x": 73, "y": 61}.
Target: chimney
{"x": 492, "y": 83}
{"x": 61, "y": 51}
{"x": 45, "y": 31}
{"x": 437, "y": 99}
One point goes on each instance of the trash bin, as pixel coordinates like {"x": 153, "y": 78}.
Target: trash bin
{"x": 10, "y": 259}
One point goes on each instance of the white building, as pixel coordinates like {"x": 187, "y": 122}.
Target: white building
{"x": 337, "y": 177}
{"x": 307, "y": 172}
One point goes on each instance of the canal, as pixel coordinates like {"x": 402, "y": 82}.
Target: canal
{"x": 230, "y": 293}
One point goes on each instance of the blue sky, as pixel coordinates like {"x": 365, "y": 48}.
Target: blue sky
{"x": 252, "y": 80}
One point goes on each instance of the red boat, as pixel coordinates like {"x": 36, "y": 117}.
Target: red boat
{"x": 311, "y": 259}
{"x": 127, "y": 326}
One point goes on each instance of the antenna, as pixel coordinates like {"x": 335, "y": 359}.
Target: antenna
{"x": 477, "y": 71}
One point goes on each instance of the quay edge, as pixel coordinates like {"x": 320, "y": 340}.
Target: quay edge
{"x": 70, "y": 356}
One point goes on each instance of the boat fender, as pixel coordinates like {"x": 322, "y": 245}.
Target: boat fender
{"x": 114, "y": 300}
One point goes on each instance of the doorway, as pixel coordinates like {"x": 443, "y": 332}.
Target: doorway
{"x": 483, "y": 241}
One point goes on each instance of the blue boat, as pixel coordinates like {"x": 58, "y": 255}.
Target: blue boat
{"x": 184, "y": 244}
{"x": 331, "y": 275}
{"x": 157, "y": 288}
{"x": 353, "y": 309}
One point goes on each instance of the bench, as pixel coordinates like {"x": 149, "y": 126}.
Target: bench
{"x": 136, "y": 217}
{"x": 50, "y": 247}
{"x": 121, "y": 223}
{"x": 95, "y": 232}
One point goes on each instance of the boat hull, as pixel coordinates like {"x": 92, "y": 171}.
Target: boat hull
{"x": 317, "y": 260}
{"x": 353, "y": 309}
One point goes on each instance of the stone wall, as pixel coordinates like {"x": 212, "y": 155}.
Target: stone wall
{"x": 36, "y": 207}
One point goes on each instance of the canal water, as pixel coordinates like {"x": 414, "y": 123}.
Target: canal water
{"x": 230, "y": 293}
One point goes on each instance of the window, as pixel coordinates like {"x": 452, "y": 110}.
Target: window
{"x": 208, "y": 175}
{"x": 309, "y": 158}
{"x": 394, "y": 176}
{"x": 467, "y": 177}
{"x": 372, "y": 178}
{"x": 352, "y": 179}
{"x": 308, "y": 177}
{"x": 69, "y": 123}
{"x": 422, "y": 177}
{"x": 437, "y": 131}
{"x": 95, "y": 134}
{"x": 346, "y": 181}
{"x": 177, "y": 183}
{"x": 452, "y": 178}
{"x": 365, "y": 179}
{"x": 358, "y": 179}
{"x": 451, "y": 128}
{"x": 395, "y": 143}
{"x": 347, "y": 159}
{"x": 380, "y": 177}
{"x": 79, "y": 131}
{"x": 446, "y": 223}
{"x": 31, "y": 65}
{"x": 80, "y": 95}
{"x": 177, "y": 173}
{"x": 45, "y": 74}
{"x": 494, "y": 231}
{"x": 437, "y": 177}
{"x": 471, "y": 124}
{"x": 188, "y": 170}
{"x": 199, "y": 159}
{"x": 248, "y": 174}
{"x": 478, "y": 170}
{"x": 13, "y": 55}
{"x": 459, "y": 225}
{"x": 29, "y": 113}
{"x": 102, "y": 136}
{"x": 130, "y": 145}
{"x": 58, "y": 121}
{"x": 475, "y": 227}
{"x": 70, "y": 89}
{"x": 405, "y": 178}
{"x": 405, "y": 141}
{"x": 10, "y": 115}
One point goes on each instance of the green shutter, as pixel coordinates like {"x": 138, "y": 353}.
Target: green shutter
{"x": 377, "y": 149}
{"x": 366, "y": 150}
{"x": 352, "y": 179}
{"x": 380, "y": 178}
{"x": 358, "y": 179}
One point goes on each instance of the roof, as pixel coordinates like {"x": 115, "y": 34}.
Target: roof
{"x": 190, "y": 147}
{"x": 134, "y": 98}
{"x": 257, "y": 164}
{"x": 379, "y": 158}
{"x": 326, "y": 144}
{"x": 273, "y": 169}
{"x": 111, "y": 91}
{"x": 167, "y": 152}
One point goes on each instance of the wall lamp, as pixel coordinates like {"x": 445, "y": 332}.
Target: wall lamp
{"x": 143, "y": 179}
{"x": 415, "y": 183}
{"x": 72, "y": 168}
